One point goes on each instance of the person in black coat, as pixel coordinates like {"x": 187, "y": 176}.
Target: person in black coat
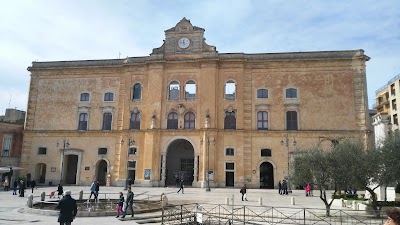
{"x": 181, "y": 186}
{"x": 22, "y": 188}
{"x": 129, "y": 202}
{"x": 33, "y": 184}
{"x": 243, "y": 191}
{"x": 15, "y": 187}
{"x": 97, "y": 189}
{"x": 60, "y": 190}
{"x": 68, "y": 209}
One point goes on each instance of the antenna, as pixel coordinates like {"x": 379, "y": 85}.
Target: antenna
{"x": 9, "y": 102}
{"x": 119, "y": 55}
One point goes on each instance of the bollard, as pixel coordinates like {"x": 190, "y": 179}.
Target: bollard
{"x": 42, "y": 196}
{"x": 80, "y": 194}
{"x": 260, "y": 201}
{"x": 354, "y": 205}
{"x": 164, "y": 200}
{"x": 227, "y": 201}
{"x": 292, "y": 201}
{"x": 30, "y": 201}
{"x": 342, "y": 202}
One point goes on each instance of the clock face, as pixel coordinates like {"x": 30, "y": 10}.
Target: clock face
{"x": 184, "y": 42}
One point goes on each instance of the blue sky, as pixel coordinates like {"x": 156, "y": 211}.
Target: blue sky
{"x": 97, "y": 29}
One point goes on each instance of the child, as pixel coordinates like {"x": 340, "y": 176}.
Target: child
{"x": 120, "y": 203}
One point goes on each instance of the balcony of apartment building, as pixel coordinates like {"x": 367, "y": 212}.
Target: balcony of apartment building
{"x": 381, "y": 102}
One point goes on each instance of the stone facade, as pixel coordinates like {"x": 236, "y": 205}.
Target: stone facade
{"x": 187, "y": 95}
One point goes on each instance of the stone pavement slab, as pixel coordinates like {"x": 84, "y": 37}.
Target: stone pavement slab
{"x": 12, "y": 207}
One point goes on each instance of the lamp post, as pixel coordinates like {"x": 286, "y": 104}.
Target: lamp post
{"x": 208, "y": 163}
{"x": 131, "y": 142}
{"x": 285, "y": 141}
{"x": 65, "y": 145}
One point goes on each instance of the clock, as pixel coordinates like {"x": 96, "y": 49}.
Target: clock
{"x": 184, "y": 42}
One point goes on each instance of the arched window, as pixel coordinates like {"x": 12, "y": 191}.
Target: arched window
{"x": 189, "y": 120}
{"x": 262, "y": 120}
{"x": 172, "y": 121}
{"x": 291, "y": 93}
{"x": 230, "y": 90}
{"x": 291, "y": 120}
{"x": 137, "y": 92}
{"x": 85, "y": 97}
{"x": 230, "y": 121}
{"x": 83, "y": 121}
{"x": 262, "y": 93}
{"x": 109, "y": 97}
{"x": 190, "y": 90}
{"x": 107, "y": 119}
{"x": 173, "y": 91}
{"x": 135, "y": 121}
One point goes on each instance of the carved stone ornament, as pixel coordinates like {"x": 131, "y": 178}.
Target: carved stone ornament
{"x": 181, "y": 109}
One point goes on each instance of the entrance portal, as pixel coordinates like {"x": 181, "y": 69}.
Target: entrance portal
{"x": 102, "y": 172}
{"x": 71, "y": 162}
{"x": 40, "y": 173}
{"x": 266, "y": 175}
{"x": 180, "y": 162}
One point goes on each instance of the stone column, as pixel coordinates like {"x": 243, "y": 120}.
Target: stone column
{"x": 163, "y": 168}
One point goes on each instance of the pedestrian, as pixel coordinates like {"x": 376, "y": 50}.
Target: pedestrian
{"x": 15, "y": 186}
{"x": 93, "y": 190}
{"x": 22, "y": 188}
{"x": 280, "y": 187}
{"x": 284, "y": 187}
{"x": 68, "y": 209}
{"x": 130, "y": 182}
{"x": 243, "y": 191}
{"x": 181, "y": 186}
{"x": 393, "y": 216}
{"x": 60, "y": 190}
{"x": 129, "y": 202}
{"x": 120, "y": 204}
{"x": 97, "y": 189}
{"x": 165, "y": 181}
{"x": 177, "y": 180}
{"x": 33, "y": 184}
{"x": 6, "y": 184}
{"x": 307, "y": 189}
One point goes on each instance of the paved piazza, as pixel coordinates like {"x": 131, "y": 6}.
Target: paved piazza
{"x": 11, "y": 213}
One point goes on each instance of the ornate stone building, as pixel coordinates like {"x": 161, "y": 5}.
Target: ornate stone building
{"x": 187, "y": 109}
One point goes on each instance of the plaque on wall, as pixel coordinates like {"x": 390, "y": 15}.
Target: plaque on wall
{"x": 53, "y": 169}
{"x": 147, "y": 173}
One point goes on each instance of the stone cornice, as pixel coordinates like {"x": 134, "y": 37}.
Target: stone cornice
{"x": 221, "y": 57}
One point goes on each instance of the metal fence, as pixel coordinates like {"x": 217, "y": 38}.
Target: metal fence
{"x": 222, "y": 214}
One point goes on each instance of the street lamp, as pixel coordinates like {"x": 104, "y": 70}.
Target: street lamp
{"x": 285, "y": 141}
{"x": 208, "y": 164}
{"x": 65, "y": 145}
{"x": 131, "y": 142}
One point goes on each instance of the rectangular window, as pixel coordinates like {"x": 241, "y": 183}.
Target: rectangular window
{"x": 132, "y": 164}
{"x": 107, "y": 118}
{"x": 133, "y": 151}
{"x": 83, "y": 119}
{"x": 102, "y": 151}
{"x": 291, "y": 120}
{"x": 6, "y": 147}
{"x": 291, "y": 93}
{"x": 266, "y": 152}
{"x": 84, "y": 97}
{"x": 42, "y": 151}
{"x": 229, "y": 152}
{"x": 230, "y": 166}
{"x": 135, "y": 121}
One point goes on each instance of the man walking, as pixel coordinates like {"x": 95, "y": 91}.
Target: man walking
{"x": 243, "y": 190}
{"x": 129, "y": 202}
{"x": 22, "y": 188}
{"x": 181, "y": 185}
{"x": 68, "y": 209}
{"x": 33, "y": 184}
{"x": 93, "y": 190}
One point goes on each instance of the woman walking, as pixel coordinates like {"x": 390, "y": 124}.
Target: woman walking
{"x": 120, "y": 204}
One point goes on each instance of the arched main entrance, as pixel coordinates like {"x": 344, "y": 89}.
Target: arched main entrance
{"x": 101, "y": 172}
{"x": 70, "y": 168}
{"x": 266, "y": 175}
{"x": 40, "y": 173}
{"x": 180, "y": 162}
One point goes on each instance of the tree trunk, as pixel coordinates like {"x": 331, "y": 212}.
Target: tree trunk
{"x": 322, "y": 196}
{"x": 375, "y": 207}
